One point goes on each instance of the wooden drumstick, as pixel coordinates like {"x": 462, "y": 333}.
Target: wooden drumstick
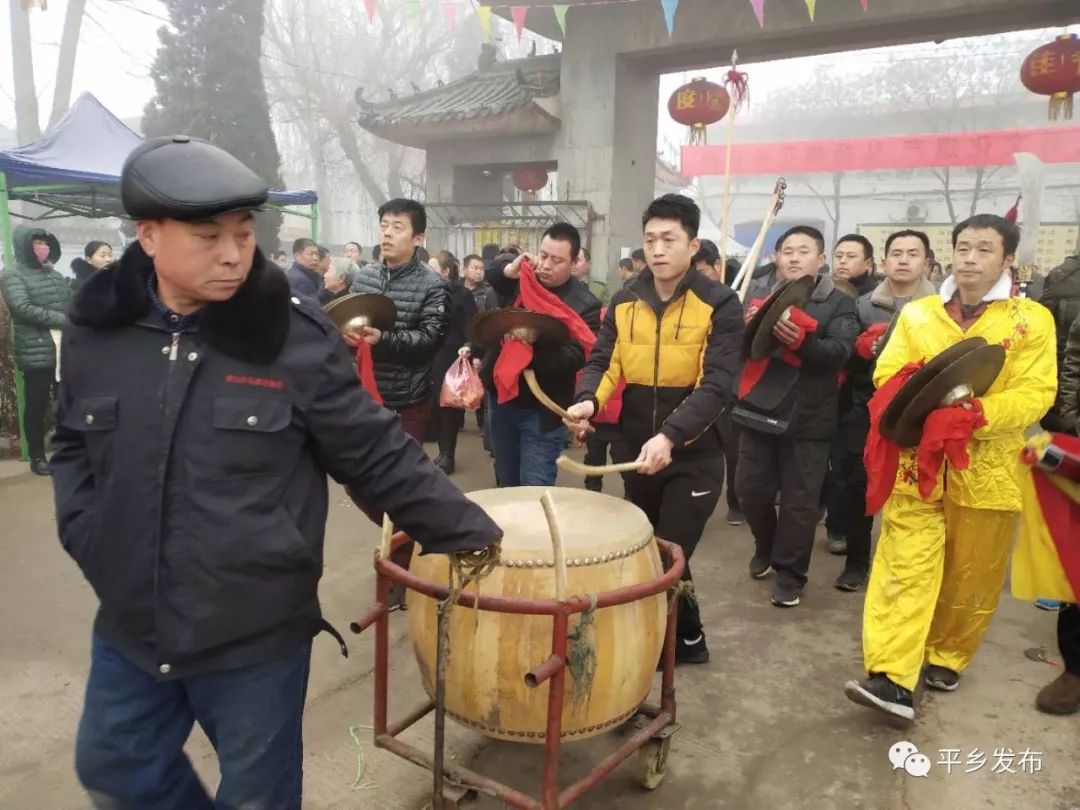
{"x": 548, "y": 504}
{"x": 577, "y": 468}
{"x": 544, "y": 399}
{"x": 548, "y": 402}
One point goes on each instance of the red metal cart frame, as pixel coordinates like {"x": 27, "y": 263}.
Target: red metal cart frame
{"x": 653, "y": 737}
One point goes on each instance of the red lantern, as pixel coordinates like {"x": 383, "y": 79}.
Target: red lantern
{"x": 530, "y": 178}
{"x": 1054, "y": 70}
{"x": 697, "y": 105}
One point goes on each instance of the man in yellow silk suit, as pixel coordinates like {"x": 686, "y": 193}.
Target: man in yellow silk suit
{"x": 940, "y": 562}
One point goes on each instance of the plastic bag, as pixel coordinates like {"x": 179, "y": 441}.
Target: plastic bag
{"x": 461, "y": 387}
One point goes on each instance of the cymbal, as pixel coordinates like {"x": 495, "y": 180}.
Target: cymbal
{"x": 920, "y": 378}
{"x": 968, "y": 376}
{"x": 490, "y": 326}
{"x": 758, "y": 340}
{"x": 353, "y": 311}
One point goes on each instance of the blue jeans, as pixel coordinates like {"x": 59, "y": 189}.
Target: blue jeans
{"x": 525, "y": 453}
{"x": 129, "y": 749}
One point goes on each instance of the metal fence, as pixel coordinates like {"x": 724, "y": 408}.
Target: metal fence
{"x": 466, "y": 228}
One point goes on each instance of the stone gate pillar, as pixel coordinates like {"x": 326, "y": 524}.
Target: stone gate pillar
{"x": 606, "y": 148}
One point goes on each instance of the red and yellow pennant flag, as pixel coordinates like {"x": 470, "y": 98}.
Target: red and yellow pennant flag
{"x": 1046, "y": 563}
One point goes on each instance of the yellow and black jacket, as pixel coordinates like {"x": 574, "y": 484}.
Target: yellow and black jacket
{"x": 679, "y": 359}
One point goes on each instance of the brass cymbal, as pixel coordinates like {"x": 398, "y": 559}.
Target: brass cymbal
{"x": 758, "y": 340}
{"x": 356, "y": 310}
{"x": 920, "y": 378}
{"x": 489, "y": 327}
{"x": 965, "y": 377}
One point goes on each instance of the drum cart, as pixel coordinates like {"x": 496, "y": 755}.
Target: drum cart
{"x": 454, "y": 784}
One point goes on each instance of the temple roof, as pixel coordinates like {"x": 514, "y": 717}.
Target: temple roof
{"x": 503, "y": 98}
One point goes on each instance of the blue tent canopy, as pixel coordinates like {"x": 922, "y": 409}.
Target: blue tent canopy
{"x": 78, "y": 162}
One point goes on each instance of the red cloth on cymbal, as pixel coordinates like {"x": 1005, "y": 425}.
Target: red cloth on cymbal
{"x": 536, "y": 297}
{"x": 946, "y": 434}
{"x": 513, "y": 359}
{"x": 516, "y": 355}
{"x": 805, "y": 324}
{"x": 365, "y": 370}
{"x": 864, "y": 343}
{"x": 881, "y": 455}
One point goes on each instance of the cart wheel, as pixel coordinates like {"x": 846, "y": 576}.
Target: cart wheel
{"x": 652, "y": 762}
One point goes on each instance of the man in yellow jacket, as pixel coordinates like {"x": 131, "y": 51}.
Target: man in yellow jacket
{"x": 940, "y": 562}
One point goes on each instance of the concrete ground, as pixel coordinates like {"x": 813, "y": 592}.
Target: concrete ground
{"x": 764, "y": 725}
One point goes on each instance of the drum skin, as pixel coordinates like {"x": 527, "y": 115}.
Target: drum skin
{"x": 608, "y": 544}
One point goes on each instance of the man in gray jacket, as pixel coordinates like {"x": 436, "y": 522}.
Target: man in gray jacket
{"x": 36, "y": 295}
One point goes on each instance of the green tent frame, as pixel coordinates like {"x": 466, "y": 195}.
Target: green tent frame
{"x": 81, "y": 200}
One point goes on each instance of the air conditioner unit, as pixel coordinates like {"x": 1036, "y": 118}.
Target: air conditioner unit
{"x": 916, "y": 212}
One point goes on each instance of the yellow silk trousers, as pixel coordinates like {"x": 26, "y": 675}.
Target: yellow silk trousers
{"x": 936, "y": 580}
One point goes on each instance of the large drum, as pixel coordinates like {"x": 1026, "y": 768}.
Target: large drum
{"x": 608, "y": 544}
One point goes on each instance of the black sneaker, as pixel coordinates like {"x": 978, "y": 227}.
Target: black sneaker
{"x": 39, "y": 466}
{"x": 853, "y": 578}
{"x": 760, "y": 567}
{"x": 691, "y": 653}
{"x": 878, "y": 692}
{"x": 696, "y": 653}
{"x": 836, "y": 543}
{"x": 786, "y": 596}
{"x": 445, "y": 464}
{"x": 941, "y": 678}
{"x": 735, "y": 518}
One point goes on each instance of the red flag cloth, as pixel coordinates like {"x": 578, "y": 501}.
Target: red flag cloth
{"x": 1061, "y": 514}
{"x": 365, "y": 370}
{"x": 534, "y": 296}
{"x": 751, "y": 374}
{"x": 881, "y": 455}
{"x": 946, "y": 434}
{"x": 864, "y": 343}
{"x": 513, "y": 359}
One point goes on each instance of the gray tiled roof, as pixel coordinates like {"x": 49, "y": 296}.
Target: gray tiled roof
{"x": 492, "y": 91}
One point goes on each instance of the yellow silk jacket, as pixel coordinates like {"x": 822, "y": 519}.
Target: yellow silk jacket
{"x": 1022, "y": 393}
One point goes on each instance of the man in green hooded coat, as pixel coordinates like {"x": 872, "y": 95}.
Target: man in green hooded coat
{"x": 36, "y": 295}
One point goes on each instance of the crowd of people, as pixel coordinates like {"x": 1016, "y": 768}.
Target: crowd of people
{"x": 785, "y": 441}
{"x": 205, "y": 397}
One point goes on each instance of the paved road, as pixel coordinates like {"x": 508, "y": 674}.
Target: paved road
{"x": 765, "y": 724}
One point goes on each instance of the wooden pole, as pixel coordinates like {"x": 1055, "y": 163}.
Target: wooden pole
{"x": 727, "y": 177}
{"x": 387, "y": 533}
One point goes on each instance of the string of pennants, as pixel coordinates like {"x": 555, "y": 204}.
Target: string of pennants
{"x": 518, "y": 14}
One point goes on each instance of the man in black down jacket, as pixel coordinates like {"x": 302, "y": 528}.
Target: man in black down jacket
{"x": 784, "y": 446}
{"x": 1061, "y": 295}
{"x": 403, "y": 356}
{"x": 527, "y": 436}
{"x": 201, "y": 407}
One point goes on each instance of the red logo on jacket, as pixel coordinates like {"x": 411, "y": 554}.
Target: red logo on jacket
{"x": 258, "y": 382}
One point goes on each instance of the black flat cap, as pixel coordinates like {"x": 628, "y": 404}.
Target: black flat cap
{"x": 178, "y": 177}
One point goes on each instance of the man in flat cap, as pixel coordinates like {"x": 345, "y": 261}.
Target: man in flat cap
{"x": 202, "y": 406}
